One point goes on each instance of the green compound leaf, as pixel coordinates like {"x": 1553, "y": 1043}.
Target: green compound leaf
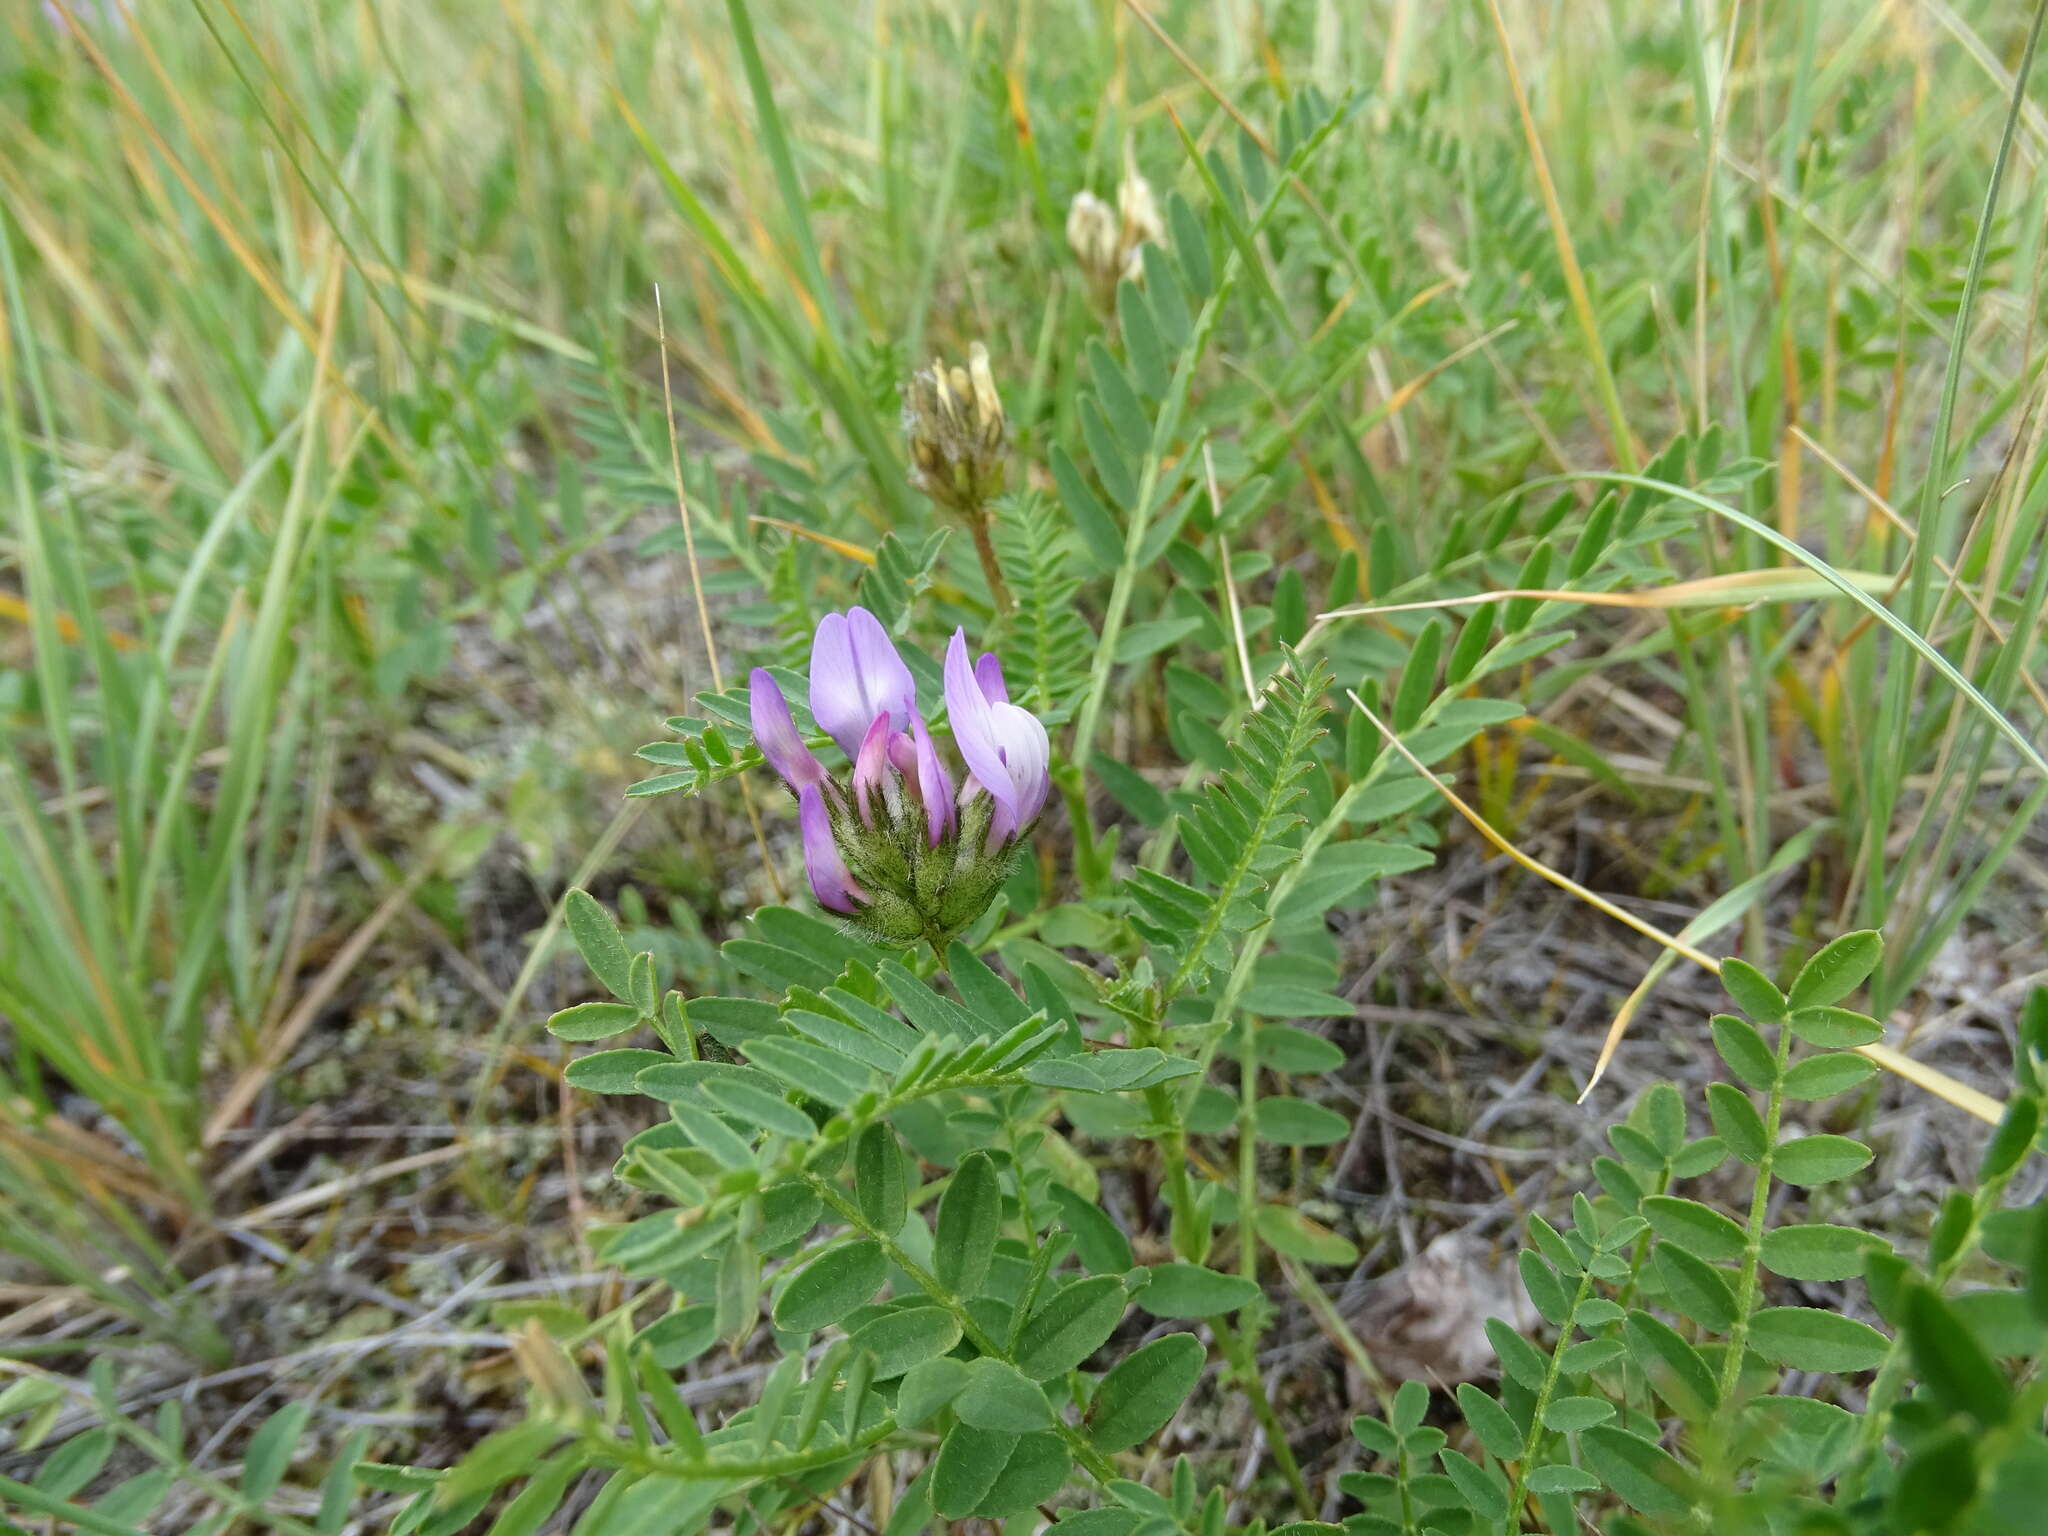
{"x": 1483, "y": 1488}
{"x": 1736, "y": 1121}
{"x": 1799, "y": 1433}
{"x": 970, "y": 1460}
{"x": 927, "y": 1388}
{"x": 1071, "y": 1326}
{"x": 970, "y": 1212}
{"x": 1819, "y": 1159}
{"x": 1559, "y": 1478}
{"x": 751, "y": 1106}
{"x": 1822, "y": 1077}
{"x": 1036, "y": 1470}
{"x": 1744, "y": 1050}
{"x": 1938, "y": 1480}
{"x": 599, "y": 942}
{"x": 1102, "y": 1247}
{"x": 1818, "y": 1252}
{"x": 1287, "y": 1231}
{"x": 679, "y": 1337}
{"x": 593, "y": 1021}
{"x": 1290, "y": 1122}
{"x": 1145, "y": 1390}
{"x": 1697, "y": 1228}
{"x": 1189, "y": 1290}
{"x": 1951, "y": 1363}
{"x": 1752, "y": 991}
{"x": 1294, "y": 1051}
{"x": 902, "y": 1340}
{"x": 1834, "y": 1029}
{"x": 878, "y": 1179}
{"x": 1661, "y": 1115}
{"x": 1501, "y": 1436}
{"x": 612, "y": 1071}
{"x": 999, "y": 1396}
{"x": 1677, "y": 1371}
{"x": 1099, "y": 1522}
{"x": 1838, "y": 970}
{"x": 1697, "y": 1289}
{"x": 830, "y": 1286}
{"x": 1647, "y": 1477}
{"x": 1544, "y": 1288}
{"x": 269, "y": 1454}
{"x": 1569, "y": 1415}
{"x": 1520, "y": 1360}
{"x": 2010, "y": 1144}
{"x": 1809, "y": 1339}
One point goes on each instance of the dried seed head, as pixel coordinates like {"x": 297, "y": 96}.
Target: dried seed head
{"x": 1094, "y": 235}
{"x": 1108, "y": 242}
{"x": 958, "y": 435}
{"x": 1139, "y": 214}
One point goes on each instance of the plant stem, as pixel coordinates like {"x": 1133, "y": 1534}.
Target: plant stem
{"x": 1511, "y": 1523}
{"x": 1073, "y": 787}
{"x": 1759, "y": 1212}
{"x": 1246, "y": 1366}
{"x": 992, "y": 572}
{"x": 790, "y": 1465}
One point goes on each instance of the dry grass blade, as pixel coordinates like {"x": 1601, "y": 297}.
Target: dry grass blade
{"x": 1717, "y": 916}
{"x": 1729, "y": 589}
{"x": 1244, "y": 659}
{"x": 1971, "y": 1100}
{"x": 675, "y": 462}
{"x": 844, "y": 547}
{"x": 1622, "y": 442}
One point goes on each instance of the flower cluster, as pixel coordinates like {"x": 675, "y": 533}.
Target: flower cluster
{"x": 895, "y": 848}
{"x": 1107, "y": 241}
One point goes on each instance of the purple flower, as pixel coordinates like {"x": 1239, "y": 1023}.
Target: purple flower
{"x": 775, "y": 733}
{"x": 830, "y": 882}
{"x": 1005, "y": 747}
{"x": 930, "y": 782}
{"x": 886, "y": 844}
{"x": 856, "y": 677}
{"x": 894, "y": 765}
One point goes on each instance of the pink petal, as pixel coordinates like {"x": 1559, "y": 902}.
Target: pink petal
{"x": 972, "y": 718}
{"x": 1027, "y": 755}
{"x": 830, "y": 881}
{"x": 871, "y": 769}
{"x": 934, "y": 787}
{"x": 856, "y": 675}
{"x": 988, "y": 673}
{"x": 775, "y": 733}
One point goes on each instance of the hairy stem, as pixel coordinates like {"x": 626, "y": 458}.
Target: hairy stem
{"x": 1244, "y": 1363}
{"x": 1518, "y": 1483}
{"x": 1759, "y": 1212}
{"x": 991, "y": 570}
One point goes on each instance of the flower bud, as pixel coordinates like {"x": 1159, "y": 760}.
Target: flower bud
{"x": 953, "y": 420}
